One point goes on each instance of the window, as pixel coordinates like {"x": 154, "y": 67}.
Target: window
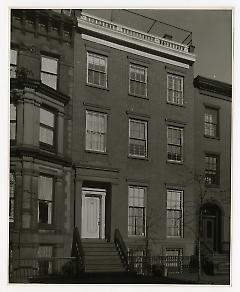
{"x": 45, "y": 199}
{"x": 174, "y": 213}
{"x": 137, "y": 80}
{"x": 49, "y": 71}
{"x": 47, "y": 127}
{"x": 137, "y": 260}
{"x": 174, "y": 259}
{"x": 136, "y": 210}
{"x": 97, "y": 70}
{"x": 96, "y": 131}
{"x": 211, "y": 122}
{"x": 137, "y": 138}
{"x": 44, "y": 255}
{"x": 12, "y": 188}
{"x": 175, "y": 89}
{"x": 13, "y": 63}
{"x": 175, "y": 144}
{"x": 211, "y": 169}
{"x": 13, "y": 121}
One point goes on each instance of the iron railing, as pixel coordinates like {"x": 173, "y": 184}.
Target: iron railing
{"x": 25, "y": 269}
{"x": 122, "y": 249}
{"x": 77, "y": 250}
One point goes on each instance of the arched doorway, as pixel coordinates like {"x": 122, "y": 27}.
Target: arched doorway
{"x": 211, "y": 226}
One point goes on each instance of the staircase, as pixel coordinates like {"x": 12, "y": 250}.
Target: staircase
{"x": 101, "y": 257}
{"x": 220, "y": 263}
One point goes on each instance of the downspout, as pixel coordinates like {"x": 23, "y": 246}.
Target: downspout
{"x": 74, "y": 196}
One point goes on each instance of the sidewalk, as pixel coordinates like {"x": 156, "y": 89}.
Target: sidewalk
{"x": 205, "y": 279}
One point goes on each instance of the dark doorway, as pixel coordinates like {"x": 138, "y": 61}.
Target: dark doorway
{"x": 211, "y": 229}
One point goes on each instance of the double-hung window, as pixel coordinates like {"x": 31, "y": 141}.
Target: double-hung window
{"x": 175, "y": 89}
{"x": 13, "y": 121}
{"x": 47, "y": 128}
{"x": 45, "y": 199}
{"x": 175, "y": 144}
{"x": 96, "y": 131}
{"x": 211, "y": 122}
{"x": 211, "y": 169}
{"x": 13, "y": 63}
{"x": 12, "y": 188}
{"x": 136, "y": 211}
{"x": 137, "y": 138}
{"x": 137, "y": 80}
{"x": 174, "y": 213}
{"x": 49, "y": 71}
{"x": 97, "y": 70}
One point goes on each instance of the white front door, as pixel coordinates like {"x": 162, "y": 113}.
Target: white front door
{"x": 93, "y": 213}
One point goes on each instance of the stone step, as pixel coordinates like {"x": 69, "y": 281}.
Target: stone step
{"x": 104, "y": 269}
{"x": 106, "y": 260}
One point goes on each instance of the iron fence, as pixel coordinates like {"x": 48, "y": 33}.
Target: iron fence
{"x": 23, "y": 270}
{"x": 164, "y": 265}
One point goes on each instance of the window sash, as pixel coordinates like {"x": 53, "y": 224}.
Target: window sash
{"x": 137, "y": 138}
{"x": 96, "y": 131}
{"x": 49, "y": 71}
{"x": 175, "y": 144}
{"x": 211, "y": 170}
{"x": 211, "y": 122}
{"x": 97, "y": 70}
{"x": 174, "y": 213}
{"x": 175, "y": 89}
{"x": 45, "y": 199}
{"x": 47, "y": 127}
{"x": 137, "y": 80}
{"x": 13, "y": 63}
{"x": 136, "y": 211}
{"x": 13, "y": 121}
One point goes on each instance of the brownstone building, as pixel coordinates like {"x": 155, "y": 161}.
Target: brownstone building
{"x": 107, "y": 133}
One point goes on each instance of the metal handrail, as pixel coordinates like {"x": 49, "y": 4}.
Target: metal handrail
{"x": 77, "y": 249}
{"x": 121, "y": 247}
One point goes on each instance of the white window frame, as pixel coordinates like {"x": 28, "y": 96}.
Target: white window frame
{"x": 55, "y": 74}
{"x": 145, "y": 210}
{"x": 132, "y": 65}
{"x": 146, "y": 137}
{"x": 181, "y": 210}
{"x": 171, "y": 100}
{"x": 213, "y": 126}
{"x": 98, "y": 133}
{"x": 182, "y": 144}
{"x": 95, "y": 55}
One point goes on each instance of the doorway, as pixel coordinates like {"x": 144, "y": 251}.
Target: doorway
{"x": 93, "y": 213}
{"x": 211, "y": 229}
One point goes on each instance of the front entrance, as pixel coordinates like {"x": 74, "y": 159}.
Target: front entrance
{"x": 93, "y": 213}
{"x": 211, "y": 226}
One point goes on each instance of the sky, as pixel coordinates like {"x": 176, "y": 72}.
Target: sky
{"x": 211, "y": 34}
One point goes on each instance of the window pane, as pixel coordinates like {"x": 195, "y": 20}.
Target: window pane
{"x": 49, "y": 65}
{"x": 12, "y": 112}
{"x": 46, "y": 117}
{"x": 49, "y": 80}
{"x": 46, "y": 136}
{"x": 13, "y": 57}
{"x": 45, "y": 188}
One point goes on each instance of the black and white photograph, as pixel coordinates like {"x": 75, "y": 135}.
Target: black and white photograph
{"x": 119, "y": 137}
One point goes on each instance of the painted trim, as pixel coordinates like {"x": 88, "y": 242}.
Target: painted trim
{"x": 133, "y": 51}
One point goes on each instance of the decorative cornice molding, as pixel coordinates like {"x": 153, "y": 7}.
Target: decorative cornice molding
{"x": 212, "y": 85}
{"x": 38, "y": 86}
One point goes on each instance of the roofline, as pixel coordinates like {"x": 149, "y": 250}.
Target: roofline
{"x": 213, "y": 85}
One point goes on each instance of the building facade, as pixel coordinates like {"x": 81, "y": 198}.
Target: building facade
{"x": 105, "y": 132}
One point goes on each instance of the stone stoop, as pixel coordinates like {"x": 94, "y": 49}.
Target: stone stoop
{"x": 220, "y": 263}
{"x": 101, "y": 256}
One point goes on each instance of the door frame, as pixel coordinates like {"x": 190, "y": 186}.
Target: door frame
{"x": 97, "y": 193}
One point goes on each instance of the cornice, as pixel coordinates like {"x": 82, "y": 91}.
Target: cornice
{"x": 38, "y": 86}
{"x": 212, "y": 85}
